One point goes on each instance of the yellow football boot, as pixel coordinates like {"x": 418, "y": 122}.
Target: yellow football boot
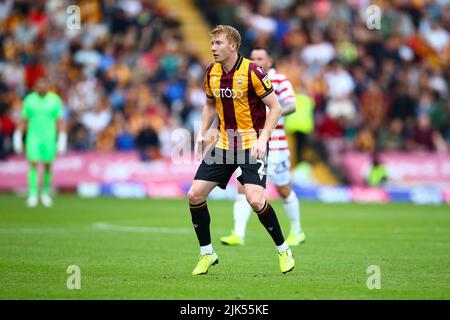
{"x": 232, "y": 240}
{"x": 204, "y": 262}
{"x": 287, "y": 262}
{"x": 294, "y": 239}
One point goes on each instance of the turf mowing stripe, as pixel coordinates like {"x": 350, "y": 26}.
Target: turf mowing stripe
{"x": 110, "y": 227}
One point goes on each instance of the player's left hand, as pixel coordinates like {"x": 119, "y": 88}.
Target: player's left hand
{"x": 62, "y": 142}
{"x": 259, "y": 149}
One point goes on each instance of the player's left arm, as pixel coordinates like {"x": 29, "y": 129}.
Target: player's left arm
{"x": 21, "y": 126}
{"x": 62, "y": 129}
{"x": 62, "y": 135}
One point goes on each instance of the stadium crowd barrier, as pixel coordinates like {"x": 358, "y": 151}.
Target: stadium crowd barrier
{"x": 417, "y": 178}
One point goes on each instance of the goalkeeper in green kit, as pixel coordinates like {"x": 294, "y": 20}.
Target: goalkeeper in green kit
{"x": 41, "y": 117}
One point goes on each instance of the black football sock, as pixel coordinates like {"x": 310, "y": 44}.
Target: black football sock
{"x": 201, "y": 220}
{"x": 269, "y": 220}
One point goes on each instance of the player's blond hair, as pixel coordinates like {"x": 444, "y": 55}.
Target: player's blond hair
{"x": 230, "y": 32}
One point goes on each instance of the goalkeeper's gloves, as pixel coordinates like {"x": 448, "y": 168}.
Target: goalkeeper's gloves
{"x": 18, "y": 142}
{"x": 62, "y": 142}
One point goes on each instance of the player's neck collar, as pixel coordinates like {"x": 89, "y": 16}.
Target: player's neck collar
{"x": 42, "y": 96}
{"x": 237, "y": 64}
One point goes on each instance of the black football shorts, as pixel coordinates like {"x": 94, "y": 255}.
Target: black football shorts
{"x": 218, "y": 165}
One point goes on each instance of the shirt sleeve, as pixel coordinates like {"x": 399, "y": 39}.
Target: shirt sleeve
{"x": 260, "y": 81}
{"x": 58, "y": 111}
{"x": 25, "y": 113}
{"x": 208, "y": 91}
{"x": 285, "y": 92}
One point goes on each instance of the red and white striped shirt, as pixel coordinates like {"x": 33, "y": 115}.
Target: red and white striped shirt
{"x": 285, "y": 95}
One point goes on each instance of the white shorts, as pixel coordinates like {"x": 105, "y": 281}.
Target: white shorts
{"x": 278, "y": 168}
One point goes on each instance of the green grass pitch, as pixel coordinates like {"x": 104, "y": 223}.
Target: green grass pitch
{"x": 147, "y": 249}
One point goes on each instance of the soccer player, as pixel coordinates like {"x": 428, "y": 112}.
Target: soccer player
{"x": 278, "y": 170}
{"x": 41, "y": 117}
{"x": 238, "y": 92}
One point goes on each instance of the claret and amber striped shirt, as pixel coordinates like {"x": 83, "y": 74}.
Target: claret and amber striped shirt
{"x": 238, "y": 95}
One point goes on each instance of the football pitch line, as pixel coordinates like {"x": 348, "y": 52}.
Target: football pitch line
{"x": 32, "y": 230}
{"x": 97, "y": 226}
{"x": 108, "y": 227}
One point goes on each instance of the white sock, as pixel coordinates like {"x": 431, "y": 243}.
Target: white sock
{"x": 206, "y": 249}
{"x": 292, "y": 208}
{"x": 282, "y": 248}
{"x": 241, "y": 212}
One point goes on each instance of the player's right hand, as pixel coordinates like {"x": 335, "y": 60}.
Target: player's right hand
{"x": 198, "y": 148}
{"x": 17, "y": 142}
{"x": 259, "y": 149}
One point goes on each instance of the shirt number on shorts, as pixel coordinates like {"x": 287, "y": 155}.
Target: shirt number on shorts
{"x": 281, "y": 167}
{"x": 261, "y": 169}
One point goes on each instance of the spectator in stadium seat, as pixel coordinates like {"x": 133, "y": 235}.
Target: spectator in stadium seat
{"x": 373, "y": 108}
{"x": 425, "y": 102}
{"x": 365, "y": 138}
{"x": 13, "y": 74}
{"x": 125, "y": 141}
{"x": 88, "y": 57}
{"x": 403, "y": 105}
{"x": 260, "y": 25}
{"x": 98, "y": 119}
{"x": 340, "y": 90}
{"x": 436, "y": 36}
{"x": 81, "y": 139}
{"x": 319, "y": 51}
{"x": 25, "y": 33}
{"x": 227, "y": 13}
{"x": 440, "y": 114}
{"x": 329, "y": 128}
{"x": 142, "y": 41}
{"x": 148, "y": 143}
{"x": 6, "y": 130}
{"x": 34, "y": 70}
{"x": 425, "y": 138}
{"x": 391, "y": 137}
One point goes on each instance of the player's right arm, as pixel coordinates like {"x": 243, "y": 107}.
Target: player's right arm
{"x": 21, "y": 127}
{"x": 286, "y": 95}
{"x": 18, "y": 136}
{"x": 62, "y": 135}
{"x": 61, "y": 125}
{"x": 208, "y": 115}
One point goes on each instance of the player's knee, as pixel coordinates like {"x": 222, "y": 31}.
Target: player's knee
{"x": 195, "y": 197}
{"x": 256, "y": 202}
{"x": 240, "y": 188}
{"x": 284, "y": 191}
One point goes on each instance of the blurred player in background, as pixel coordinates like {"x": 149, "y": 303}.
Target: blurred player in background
{"x": 278, "y": 171}
{"x": 238, "y": 92}
{"x": 46, "y": 136}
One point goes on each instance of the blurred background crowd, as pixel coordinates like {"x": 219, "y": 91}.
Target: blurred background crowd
{"x": 128, "y": 78}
